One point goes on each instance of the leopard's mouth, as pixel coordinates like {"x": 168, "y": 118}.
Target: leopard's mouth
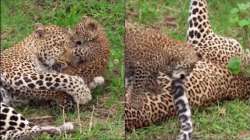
{"x": 179, "y": 74}
{"x": 59, "y": 67}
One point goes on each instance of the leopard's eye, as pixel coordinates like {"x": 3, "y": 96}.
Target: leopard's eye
{"x": 78, "y": 43}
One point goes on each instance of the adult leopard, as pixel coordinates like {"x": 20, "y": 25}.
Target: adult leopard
{"x": 213, "y": 47}
{"x": 208, "y": 83}
{"x": 91, "y": 55}
{"x": 26, "y": 67}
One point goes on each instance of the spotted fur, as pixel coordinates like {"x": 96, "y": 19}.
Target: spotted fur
{"x": 183, "y": 108}
{"x": 92, "y": 51}
{"x": 26, "y": 68}
{"x": 147, "y": 53}
{"x": 91, "y": 55}
{"x": 209, "y": 82}
{"x": 13, "y": 126}
{"x": 213, "y": 47}
{"x": 216, "y": 48}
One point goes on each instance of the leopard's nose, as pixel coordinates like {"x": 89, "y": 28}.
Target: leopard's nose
{"x": 182, "y": 76}
{"x": 179, "y": 74}
{"x": 58, "y": 67}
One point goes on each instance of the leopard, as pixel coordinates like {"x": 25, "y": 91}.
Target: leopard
{"x": 208, "y": 83}
{"x": 27, "y": 67}
{"x": 216, "y": 48}
{"x": 14, "y": 126}
{"x": 213, "y": 47}
{"x": 143, "y": 110}
{"x": 91, "y": 55}
{"x": 91, "y": 52}
{"x": 147, "y": 53}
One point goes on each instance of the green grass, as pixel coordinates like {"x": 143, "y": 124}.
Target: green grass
{"x": 222, "y": 121}
{"x": 18, "y": 18}
{"x": 221, "y": 17}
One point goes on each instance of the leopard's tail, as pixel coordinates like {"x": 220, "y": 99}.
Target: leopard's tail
{"x": 183, "y": 109}
{"x": 198, "y": 20}
{"x": 27, "y": 130}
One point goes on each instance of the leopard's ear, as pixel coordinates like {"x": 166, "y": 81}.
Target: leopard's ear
{"x": 39, "y": 29}
{"x": 91, "y": 25}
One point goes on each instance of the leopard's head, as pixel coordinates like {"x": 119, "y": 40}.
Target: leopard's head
{"x": 183, "y": 63}
{"x": 88, "y": 29}
{"x": 54, "y": 44}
